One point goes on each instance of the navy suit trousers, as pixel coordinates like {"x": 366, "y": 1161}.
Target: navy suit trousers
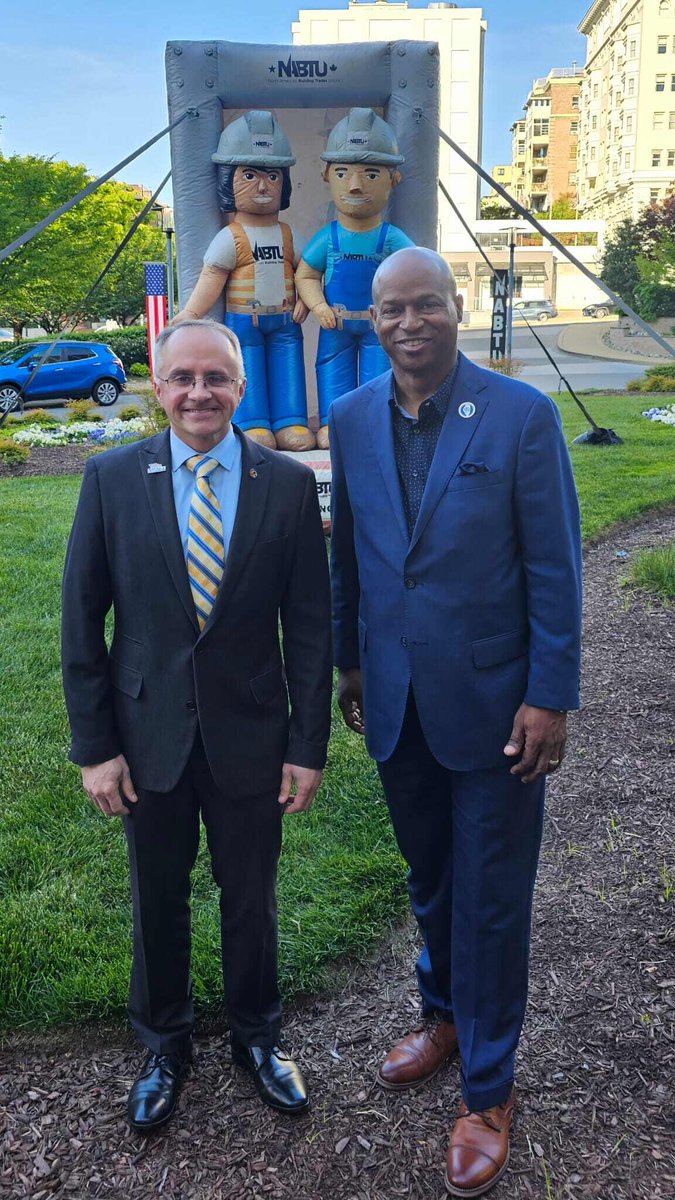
{"x": 471, "y": 840}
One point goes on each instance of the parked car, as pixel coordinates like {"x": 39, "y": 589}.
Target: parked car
{"x": 534, "y": 310}
{"x": 602, "y": 308}
{"x": 70, "y": 371}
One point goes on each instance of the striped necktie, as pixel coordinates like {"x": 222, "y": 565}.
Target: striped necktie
{"x": 205, "y": 547}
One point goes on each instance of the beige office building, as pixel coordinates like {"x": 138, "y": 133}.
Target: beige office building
{"x": 460, "y": 34}
{"x": 627, "y": 134}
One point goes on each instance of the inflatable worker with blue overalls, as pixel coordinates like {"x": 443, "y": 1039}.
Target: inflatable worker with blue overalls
{"x": 254, "y": 259}
{"x": 362, "y": 161}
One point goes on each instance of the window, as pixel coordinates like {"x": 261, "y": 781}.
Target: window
{"x": 575, "y": 101}
{"x": 632, "y": 48}
{"x": 661, "y": 44}
{"x": 540, "y": 127}
{"x": 574, "y": 126}
{"x": 629, "y": 124}
{"x": 595, "y": 91}
{"x": 657, "y": 120}
{"x": 664, "y": 8}
{"x": 500, "y": 171}
{"x": 626, "y": 159}
{"x": 660, "y": 83}
{"x": 573, "y": 150}
{"x": 654, "y": 194}
{"x": 671, "y": 158}
{"x": 73, "y": 354}
{"x": 631, "y": 86}
{"x": 671, "y": 120}
{"x": 672, "y": 83}
{"x": 656, "y": 158}
{"x": 592, "y": 153}
{"x": 572, "y": 177}
{"x": 594, "y": 122}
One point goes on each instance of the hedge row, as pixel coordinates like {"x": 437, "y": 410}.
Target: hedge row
{"x": 130, "y": 344}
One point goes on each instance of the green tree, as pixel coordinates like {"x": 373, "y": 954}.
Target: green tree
{"x": 45, "y": 282}
{"x": 494, "y": 209}
{"x": 656, "y": 289}
{"x": 618, "y": 267}
{"x": 121, "y": 295}
{"x": 564, "y": 208}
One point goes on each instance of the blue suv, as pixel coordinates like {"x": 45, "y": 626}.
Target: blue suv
{"x": 70, "y": 371}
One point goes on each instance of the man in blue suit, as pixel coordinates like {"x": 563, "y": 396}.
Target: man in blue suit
{"x": 457, "y": 609}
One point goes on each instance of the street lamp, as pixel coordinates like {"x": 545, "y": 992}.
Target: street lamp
{"x": 168, "y": 230}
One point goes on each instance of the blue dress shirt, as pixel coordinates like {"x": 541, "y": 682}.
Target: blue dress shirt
{"x": 224, "y": 481}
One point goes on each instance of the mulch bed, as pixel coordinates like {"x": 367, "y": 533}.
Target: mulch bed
{"x": 596, "y": 1115}
{"x": 50, "y": 460}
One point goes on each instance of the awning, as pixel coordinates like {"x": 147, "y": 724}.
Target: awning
{"x": 525, "y": 270}
{"x": 461, "y": 271}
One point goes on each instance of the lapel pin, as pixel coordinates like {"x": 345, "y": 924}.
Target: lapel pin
{"x": 253, "y": 473}
{"x": 467, "y": 409}
{"x": 156, "y": 468}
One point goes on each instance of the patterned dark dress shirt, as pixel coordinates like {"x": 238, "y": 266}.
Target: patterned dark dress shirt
{"x": 415, "y": 442}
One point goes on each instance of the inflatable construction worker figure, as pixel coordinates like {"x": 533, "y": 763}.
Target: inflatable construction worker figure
{"x": 254, "y": 259}
{"x": 362, "y": 161}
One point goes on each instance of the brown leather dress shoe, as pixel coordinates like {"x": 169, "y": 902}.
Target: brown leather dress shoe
{"x": 478, "y": 1154}
{"x": 417, "y": 1057}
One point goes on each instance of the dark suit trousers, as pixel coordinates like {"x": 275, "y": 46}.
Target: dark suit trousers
{"x": 471, "y": 840}
{"x": 244, "y": 840}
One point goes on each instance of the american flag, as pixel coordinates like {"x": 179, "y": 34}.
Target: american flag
{"x": 155, "y": 304}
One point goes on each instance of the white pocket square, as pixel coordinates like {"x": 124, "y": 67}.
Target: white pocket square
{"x": 155, "y": 468}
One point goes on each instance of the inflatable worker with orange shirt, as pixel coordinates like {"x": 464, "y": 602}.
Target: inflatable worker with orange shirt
{"x": 254, "y": 259}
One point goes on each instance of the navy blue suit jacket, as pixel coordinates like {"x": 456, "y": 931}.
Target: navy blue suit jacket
{"x": 481, "y": 609}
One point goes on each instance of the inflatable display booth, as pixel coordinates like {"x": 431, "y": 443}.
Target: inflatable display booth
{"x": 259, "y": 174}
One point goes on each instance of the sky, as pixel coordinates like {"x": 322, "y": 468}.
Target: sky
{"x": 84, "y": 81}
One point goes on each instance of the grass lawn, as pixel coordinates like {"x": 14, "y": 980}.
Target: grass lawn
{"x": 64, "y": 909}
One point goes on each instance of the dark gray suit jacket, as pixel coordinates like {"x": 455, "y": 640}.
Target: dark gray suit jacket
{"x": 145, "y": 695}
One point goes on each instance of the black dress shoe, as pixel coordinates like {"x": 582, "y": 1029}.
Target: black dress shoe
{"x": 275, "y": 1075}
{"x": 154, "y": 1094}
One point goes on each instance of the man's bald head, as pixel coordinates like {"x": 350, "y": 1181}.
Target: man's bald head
{"x": 409, "y": 261}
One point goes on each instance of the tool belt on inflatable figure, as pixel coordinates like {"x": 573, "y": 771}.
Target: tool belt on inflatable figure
{"x": 253, "y": 309}
{"x": 344, "y": 314}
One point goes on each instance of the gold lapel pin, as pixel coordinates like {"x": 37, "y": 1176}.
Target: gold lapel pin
{"x": 253, "y": 473}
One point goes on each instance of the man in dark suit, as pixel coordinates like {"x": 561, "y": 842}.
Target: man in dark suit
{"x": 457, "y": 598}
{"x": 202, "y": 542}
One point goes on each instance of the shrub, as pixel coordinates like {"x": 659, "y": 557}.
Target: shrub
{"x": 129, "y": 344}
{"x": 11, "y": 453}
{"x": 634, "y": 385}
{"x": 130, "y": 412}
{"x": 40, "y": 416}
{"x": 140, "y": 370}
{"x": 81, "y": 410}
{"x": 154, "y": 415}
{"x": 506, "y": 366}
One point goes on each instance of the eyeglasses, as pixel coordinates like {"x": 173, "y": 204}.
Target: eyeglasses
{"x": 183, "y": 381}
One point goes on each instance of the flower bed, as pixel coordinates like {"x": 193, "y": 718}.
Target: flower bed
{"x": 78, "y": 433}
{"x": 665, "y": 415}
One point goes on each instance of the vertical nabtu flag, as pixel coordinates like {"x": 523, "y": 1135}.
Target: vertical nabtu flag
{"x": 155, "y": 304}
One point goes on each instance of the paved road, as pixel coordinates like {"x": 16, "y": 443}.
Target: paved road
{"x": 581, "y": 371}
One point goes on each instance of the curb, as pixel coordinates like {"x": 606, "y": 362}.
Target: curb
{"x": 600, "y": 351}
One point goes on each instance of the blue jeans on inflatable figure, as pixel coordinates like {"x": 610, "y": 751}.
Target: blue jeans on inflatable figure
{"x": 351, "y": 354}
{"x": 275, "y": 371}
